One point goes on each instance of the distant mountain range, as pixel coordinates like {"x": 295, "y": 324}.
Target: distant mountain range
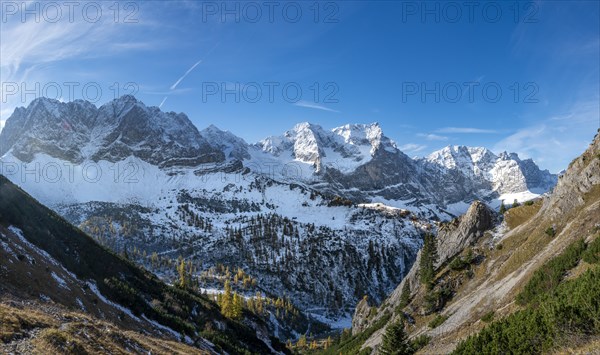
{"x": 356, "y": 161}
{"x": 345, "y": 200}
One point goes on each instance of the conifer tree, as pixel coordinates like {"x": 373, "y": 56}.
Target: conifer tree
{"x": 428, "y": 258}
{"x": 405, "y": 295}
{"x": 227, "y": 301}
{"x": 183, "y": 278}
{"x": 502, "y": 207}
{"x": 395, "y": 341}
{"x": 237, "y": 306}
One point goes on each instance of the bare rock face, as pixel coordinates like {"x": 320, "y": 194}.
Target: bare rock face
{"x": 50, "y": 127}
{"x": 361, "y": 315}
{"x": 464, "y": 231}
{"x": 579, "y": 179}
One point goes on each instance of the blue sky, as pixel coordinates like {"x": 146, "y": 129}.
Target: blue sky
{"x": 522, "y": 78}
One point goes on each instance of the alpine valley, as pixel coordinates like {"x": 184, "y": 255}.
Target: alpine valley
{"x": 318, "y": 221}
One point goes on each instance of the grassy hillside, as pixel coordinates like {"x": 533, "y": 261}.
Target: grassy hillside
{"x": 38, "y": 329}
{"x": 120, "y": 280}
{"x": 557, "y": 313}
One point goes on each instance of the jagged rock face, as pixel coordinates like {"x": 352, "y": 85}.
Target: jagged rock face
{"x": 360, "y": 163}
{"x": 476, "y": 169}
{"x": 50, "y": 127}
{"x": 361, "y": 314}
{"x": 354, "y": 161}
{"x": 343, "y": 148}
{"x": 233, "y": 147}
{"x": 455, "y": 236}
{"x": 391, "y": 175}
{"x": 581, "y": 176}
{"x": 125, "y": 127}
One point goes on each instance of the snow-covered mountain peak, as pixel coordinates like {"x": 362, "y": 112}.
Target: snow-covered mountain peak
{"x": 77, "y": 131}
{"x": 509, "y": 156}
{"x": 359, "y": 133}
{"x": 343, "y": 148}
{"x": 365, "y": 134}
{"x": 454, "y": 156}
{"x": 354, "y": 160}
{"x": 232, "y": 146}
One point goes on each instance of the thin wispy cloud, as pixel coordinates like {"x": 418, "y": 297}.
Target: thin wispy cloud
{"x": 2, "y": 123}
{"x": 432, "y": 137}
{"x": 26, "y": 43}
{"x": 29, "y": 48}
{"x": 553, "y": 143}
{"x": 465, "y": 130}
{"x": 314, "y": 106}
{"x": 412, "y": 148}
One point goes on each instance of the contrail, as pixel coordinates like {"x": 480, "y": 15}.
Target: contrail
{"x": 162, "y": 102}
{"x": 186, "y": 74}
{"x": 174, "y": 86}
{"x": 193, "y": 66}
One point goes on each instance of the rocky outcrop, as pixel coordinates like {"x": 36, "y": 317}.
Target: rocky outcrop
{"x": 579, "y": 179}
{"x": 464, "y": 231}
{"x": 361, "y": 315}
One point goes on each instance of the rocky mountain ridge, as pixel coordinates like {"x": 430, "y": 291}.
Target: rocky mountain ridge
{"x": 356, "y": 161}
{"x": 284, "y": 209}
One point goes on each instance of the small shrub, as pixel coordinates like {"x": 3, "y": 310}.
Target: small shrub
{"x": 529, "y": 203}
{"x": 592, "y": 254}
{"x": 419, "y": 342}
{"x": 438, "y": 320}
{"x": 488, "y": 317}
{"x": 550, "y": 231}
{"x": 458, "y": 264}
{"x": 499, "y": 246}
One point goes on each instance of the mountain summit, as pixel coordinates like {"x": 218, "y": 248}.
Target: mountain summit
{"x": 78, "y": 131}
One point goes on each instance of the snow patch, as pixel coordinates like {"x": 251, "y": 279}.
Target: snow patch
{"x": 61, "y": 282}
{"x": 95, "y": 290}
